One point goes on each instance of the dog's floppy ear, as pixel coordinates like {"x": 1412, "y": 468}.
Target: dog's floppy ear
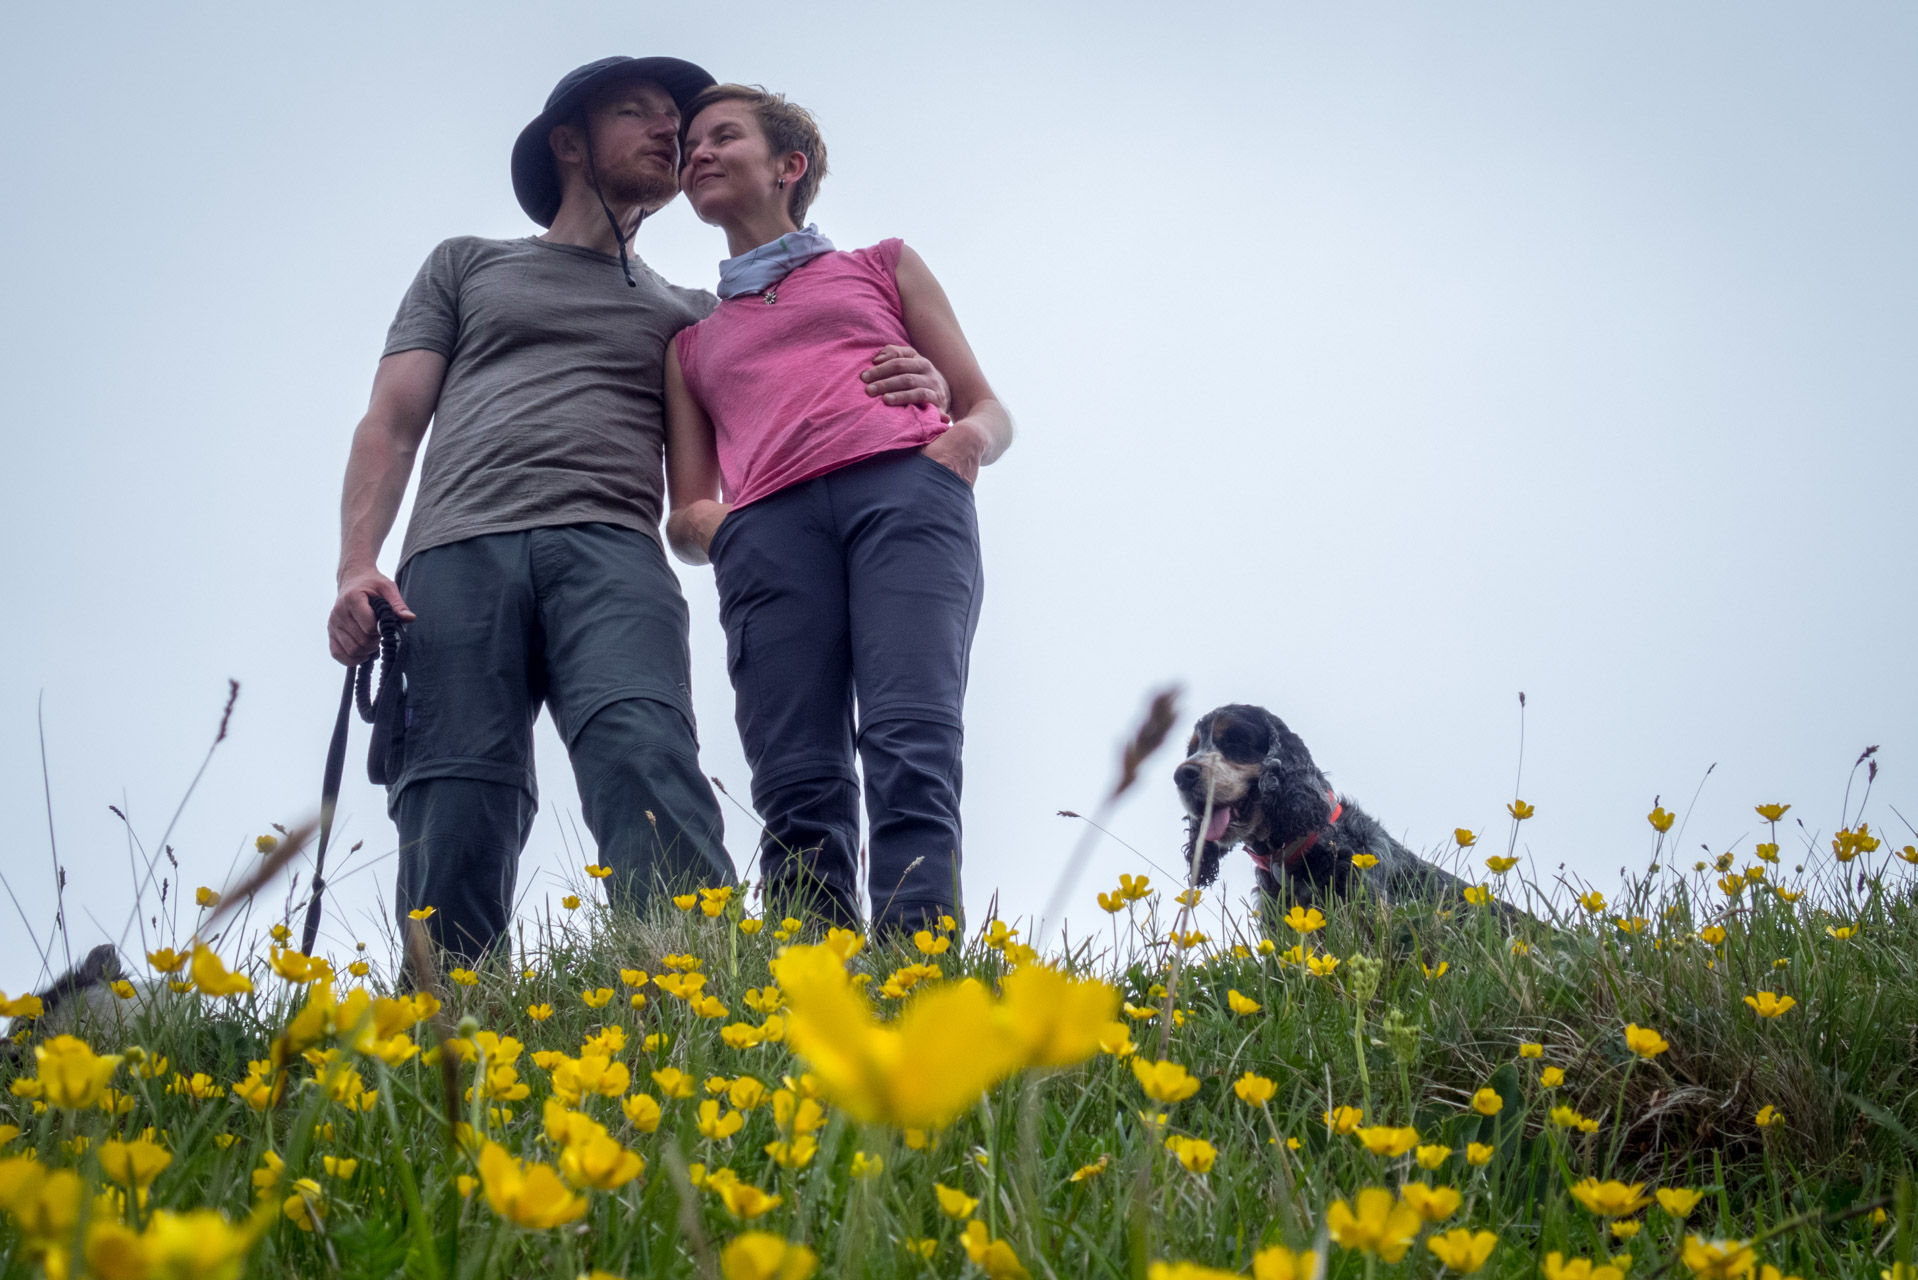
{"x": 1292, "y": 791}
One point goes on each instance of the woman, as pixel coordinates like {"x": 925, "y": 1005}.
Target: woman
{"x": 840, "y": 528}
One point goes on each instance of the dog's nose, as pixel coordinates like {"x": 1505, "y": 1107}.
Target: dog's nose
{"x": 1186, "y": 776}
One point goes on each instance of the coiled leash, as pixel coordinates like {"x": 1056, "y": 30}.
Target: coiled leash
{"x": 386, "y": 716}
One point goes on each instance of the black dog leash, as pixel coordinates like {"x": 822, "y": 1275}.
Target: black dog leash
{"x": 359, "y": 683}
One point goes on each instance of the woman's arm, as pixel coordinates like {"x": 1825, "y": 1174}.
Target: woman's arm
{"x": 981, "y": 428}
{"x": 692, "y": 469}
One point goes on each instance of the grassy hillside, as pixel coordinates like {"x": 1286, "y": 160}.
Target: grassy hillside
{"x": 1383, "y": 1089}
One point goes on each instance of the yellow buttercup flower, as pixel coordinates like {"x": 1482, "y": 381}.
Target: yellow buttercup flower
{"x": 1112, "y": 902}
{"x": 1500, "y": 865}
{"x": 165, "y": 960}
{"x": 1280, "y": 1263}
{"x": 1365, "y": 861}
{"x": 1842, "y": 932}
{"x": 529, "y": 1195}
{"x": 1679, "y": 1201}
{"x": 994, "y": 1257}
{"x": 597, "y": 998}
{"x": 1432, "y": 1155}
{"x": 1321, "y": 966}
{"x": 1344, "y": 1120}
{"x": 1165, "y": 1082}
{"x": 686, "y": 901}
{"x": 1461, "y": 1250}
{"x": 1464, "y": 837}
{"x": 1712, "y": 934}
{"x": 760, "y": 1255}
{"x": 1092, "y": 1170}
{"x": 1520, "y": 810}
{"x": 1772, "y": 812}
{"x": 1434, "y": 1204}
{"x": 1384, "y": 1140}
{"x": 1767, "y": 1116}
{"x": 1552, "y": 1077}
{"x": 1195, "y": 1154}
{"x": 1661, "y": 820}
{"x": 212, "y": 977}
{"x": 1255, "y": 1089}
{"x": 866, "y": 1165}
{"x": 1304, "y": 920}
{"x": 1593, "y": 901}
{"x": 1187, "y": 1271}
{"x": 1133, "y": 888}
{"x": 1644, "y": 1042}
{"x": 593, "y": 1158}
{"x": 71, "y": 1075}
{"x": 1487, "y": 1102}
{"x": 1626, "y": 1228}
{"x": 1610, "y": 1199}
{"x": 421, "y": 913}
{"x": 1380, "y": 1224}
{"x": 1631, "y": 924}
{"x": 1478, "y": 1153}
{"x": 954, "y": 1202}
{"x": 1243, "y": 1006}
{"x": 1769, "y": 1004}
{"x": 1718, "y": 1259}
{"x": 205, "y": 897}
{"x": 1444, "y": 966}
{"x": 1531, "y": 1049}
{"x": 133, "y": 1164}
{"x": 1559, "y": 1267}
{"x": 597, "y": 871}
{"x": 712, "y": 1124}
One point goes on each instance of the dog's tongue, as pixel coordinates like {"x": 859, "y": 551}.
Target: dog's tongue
{"x": 1221, "y": 819}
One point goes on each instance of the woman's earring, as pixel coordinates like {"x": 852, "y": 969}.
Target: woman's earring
{"x": 782, "y": 184}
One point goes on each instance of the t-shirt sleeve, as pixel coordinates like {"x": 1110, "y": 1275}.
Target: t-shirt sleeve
{"x": 429, "y": 314}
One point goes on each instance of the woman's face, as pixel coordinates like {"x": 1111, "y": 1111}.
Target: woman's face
{"x": 729, "y": 170}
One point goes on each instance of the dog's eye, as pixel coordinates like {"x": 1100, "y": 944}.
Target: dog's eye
{"x": 1193, "y": 745}
{"x": 1243, "y": 742}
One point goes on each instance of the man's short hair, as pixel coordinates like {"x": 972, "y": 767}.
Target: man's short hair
{"x": 788, "y": 127}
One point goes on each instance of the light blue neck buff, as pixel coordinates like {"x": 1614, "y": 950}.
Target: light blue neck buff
{"x": 758, "y": 270}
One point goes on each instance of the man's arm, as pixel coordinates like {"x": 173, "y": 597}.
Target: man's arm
{"x": 406, "y": 390}
{"x": 903, "y": 376}
{"x": 692, "y": 469}
{"x": 981, "y": 428}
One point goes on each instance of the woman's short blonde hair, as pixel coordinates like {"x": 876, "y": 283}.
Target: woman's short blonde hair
{"x": 788, "y": 127}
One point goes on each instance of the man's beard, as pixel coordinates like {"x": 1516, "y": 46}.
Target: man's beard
{"x": 651, "y": 191}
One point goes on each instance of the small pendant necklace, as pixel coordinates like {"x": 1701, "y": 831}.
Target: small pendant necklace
{"x": 771, "y": 295}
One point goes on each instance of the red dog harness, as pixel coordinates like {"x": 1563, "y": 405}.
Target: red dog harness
{"x": 1303, "y": 845}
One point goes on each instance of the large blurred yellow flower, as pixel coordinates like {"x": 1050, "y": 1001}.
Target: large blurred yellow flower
{"x": 529, "y": 1195}
{"x": 994, "y": 1257}
{"x": 212, "y": 977}
{"x": 1611, "y": 1198}
{"x": 760, "y": 1255}
{"x": 1461, "y": 1250}
{"x": 1165, "y": 1081}
{"x": 1384, "y": 1140}
{"x": 71, "y": 1075}
{"x": 1559, "y": 1267}
{"x": 1434, "y": 1204}
{"x": 1381, "y": 1224}
{"x": 1719, "y": 1259}
{"x": 133, "y": 1164}
{"x": 1679, "y": 1201}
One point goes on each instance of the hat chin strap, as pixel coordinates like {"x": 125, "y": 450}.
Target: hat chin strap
{"x": 592, "y": 172}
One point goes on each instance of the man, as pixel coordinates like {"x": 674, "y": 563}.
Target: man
{"x": 532, "y": 571}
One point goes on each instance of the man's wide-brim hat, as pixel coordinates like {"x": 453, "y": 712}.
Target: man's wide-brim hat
{"x": 535, "y": 177}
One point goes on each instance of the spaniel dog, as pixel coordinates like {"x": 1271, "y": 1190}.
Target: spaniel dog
{"x": 1267, "y": 794}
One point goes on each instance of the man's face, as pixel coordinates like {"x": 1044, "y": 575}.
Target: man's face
{"x": 635, "y": 137}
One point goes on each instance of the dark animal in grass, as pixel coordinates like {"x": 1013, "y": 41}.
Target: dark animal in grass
{"x": 1268, "y": 795}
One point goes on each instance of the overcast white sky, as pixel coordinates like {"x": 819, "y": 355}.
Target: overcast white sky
{"x": 1372, "y": 363}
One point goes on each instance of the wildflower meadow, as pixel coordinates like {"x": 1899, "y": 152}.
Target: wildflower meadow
{"x": 1707, "y": 1070}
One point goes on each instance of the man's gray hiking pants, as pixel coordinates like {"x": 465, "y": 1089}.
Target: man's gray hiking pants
{"x": 587, "y": 620}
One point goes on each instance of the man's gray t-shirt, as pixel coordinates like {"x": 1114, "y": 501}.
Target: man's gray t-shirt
{"x": 554, "y": 404}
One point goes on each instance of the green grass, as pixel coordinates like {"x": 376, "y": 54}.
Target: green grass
{"x": 1841, "y": 1068}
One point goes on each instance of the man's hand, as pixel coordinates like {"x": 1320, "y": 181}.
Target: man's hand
{"x": 960, "y": 450}
{"x": 903, "y": 376}
{"x": 351, "y": 629}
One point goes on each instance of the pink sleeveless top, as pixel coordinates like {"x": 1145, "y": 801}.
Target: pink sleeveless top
{"x": 781, "y": 381}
